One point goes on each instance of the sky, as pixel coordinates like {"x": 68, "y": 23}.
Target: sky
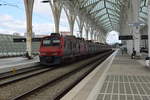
{"x": 113, "y": 37}
{"x": 13, "y": 19}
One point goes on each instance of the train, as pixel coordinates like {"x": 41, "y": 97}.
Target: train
{"x": 55, "y": 48}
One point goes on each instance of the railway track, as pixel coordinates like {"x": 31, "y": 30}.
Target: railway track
{"x": 47, "y": 79}
{"x": 78, "y": 74}
{"x": 24, "y": 75}
{"x": 20, "y": 71}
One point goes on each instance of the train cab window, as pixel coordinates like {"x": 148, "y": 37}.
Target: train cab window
{"x": 46, "y": 42}
{"x": 51, "y": 42}
{"x": 56, "y": 42}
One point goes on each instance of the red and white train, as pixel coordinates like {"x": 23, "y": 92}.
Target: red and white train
{"x": 56, "y": 48}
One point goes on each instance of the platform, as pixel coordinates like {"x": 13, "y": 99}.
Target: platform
{"x": 118, "y": 78}
{"x": 127, "y": 79}
{"x": 8, "y": 64}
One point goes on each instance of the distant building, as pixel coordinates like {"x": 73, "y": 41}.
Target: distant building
{"x": 17, "y": 34}
{"x": 33, "y": 34}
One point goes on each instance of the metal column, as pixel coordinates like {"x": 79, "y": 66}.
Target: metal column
{"x": 71, "y": 19}
{"x": 149, "y": 28}
{"x": 91, "y": 34}
{"x": 87, "y": 35}
{"x": 136, "y": 34}
{"x": 29, "y": 10}
{"x": 56, "y": 9}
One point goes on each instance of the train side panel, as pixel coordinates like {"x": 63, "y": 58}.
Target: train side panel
{"x": 55, "y": 49}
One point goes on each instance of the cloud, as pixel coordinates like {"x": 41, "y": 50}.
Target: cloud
{"x": 42, "y": 8}
{"x": 43, "y": 28}
{"x": 9, "y": 24}
{"x": 45, "y": 10}
{"x": 112, "y": 37}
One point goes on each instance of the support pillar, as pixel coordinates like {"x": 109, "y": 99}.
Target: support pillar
{"x": 103, "y": 38}
{"x": 95, "y": 36}
{"x": 80, "y": 22}
{"x": 149, "y": 29}
{"x": 87, "y": 35}
{"x": 56, "y": 9}
{"x": 99, "y": 37}
{"x": 81, "y": 29}
{"x": 29, "y": 9}
{"x": 136, "y": 34}
{"x": 95, "y": 33}
{"x": 129, "y": 46}
{"x": 87, "y": 31}
{"x": 71, "y": 19}
{"x": 91, "y": 34}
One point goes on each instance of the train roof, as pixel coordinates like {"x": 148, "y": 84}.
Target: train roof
{"x": 80, "y": 38}
{"x": 70, "y": 36}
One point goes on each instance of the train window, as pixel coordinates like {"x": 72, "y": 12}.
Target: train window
{"x": 51, "y": 42}
{"x": 56, "y": 42}
{"x": 46, "y": 42}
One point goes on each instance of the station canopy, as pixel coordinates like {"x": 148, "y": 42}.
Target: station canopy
{"x": 143, "y": 11}
{"x": 108, "y": 12}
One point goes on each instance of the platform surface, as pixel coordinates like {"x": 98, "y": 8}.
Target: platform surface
{"x": 126, "y": 79}
{"x": 7, "y": 64}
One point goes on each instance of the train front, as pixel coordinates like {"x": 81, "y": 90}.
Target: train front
{"x": 51, "y": 49}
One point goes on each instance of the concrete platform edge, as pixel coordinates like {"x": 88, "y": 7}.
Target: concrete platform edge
{"x": 75, "y": 92}
{"x": 94, "y": 93}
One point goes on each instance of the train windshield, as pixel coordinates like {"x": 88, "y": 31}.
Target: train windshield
{"x": 51, "y": 42}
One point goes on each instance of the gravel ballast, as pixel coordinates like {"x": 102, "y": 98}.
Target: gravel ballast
{"x": 14, "y": 89}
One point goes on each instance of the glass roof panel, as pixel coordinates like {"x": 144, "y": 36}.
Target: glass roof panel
{"x": 101, "y": 12}
{"x": 99, "y": 6}
{"x": 104, "y": 17}
{"x": 108, "y": 12}
{"x": 143, "y": 11}
{"x": 105, "y": 21}
{"x": 89, "y": 2}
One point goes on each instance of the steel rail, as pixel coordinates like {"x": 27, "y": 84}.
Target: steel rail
{"x": 64, "y": 76}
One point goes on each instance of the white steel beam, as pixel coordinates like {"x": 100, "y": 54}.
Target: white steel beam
{"x": 56, "y": 7}
{"x": 71, "y": 19}
{"x": 136, "y": 34}
{"x": 29, "y": 9}
{"x": 149, "y": 28}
